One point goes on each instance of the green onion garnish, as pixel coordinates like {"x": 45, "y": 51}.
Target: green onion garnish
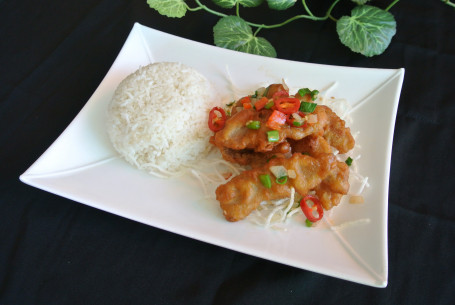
{"x": 282, "y": 180}
{"x": 349, "y": 161}
{"x": 269, "y": 105}
{"x": 308, "y": 223}
{"x": 253, "y": 125}
{"x": 273, "y": 136}
{"x": 304, "y": 91}
{"x": 265, "y": 180}
{"x": 230, "y": 104}
{"x": 307, "y": 107}
{"x": 313, "y": 94}
{"x": 296, "y": 124}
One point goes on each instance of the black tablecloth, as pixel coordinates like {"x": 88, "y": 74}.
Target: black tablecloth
{"x": 53, "y": 250}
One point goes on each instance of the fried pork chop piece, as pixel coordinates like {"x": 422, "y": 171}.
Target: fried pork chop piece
{"x": 235, "y": 135}
{"x": 243, "y": 193}
{"x": 316, "y": 129}
{"x": 313, "y": 145}
{"x": 336, "y": 133}
{"x": 330, "y": 130}
{"x": 334, "y": 186}
{"x": 254, "y": 159}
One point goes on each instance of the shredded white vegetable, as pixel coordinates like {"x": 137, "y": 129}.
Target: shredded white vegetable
{"x": 274, "y": 214}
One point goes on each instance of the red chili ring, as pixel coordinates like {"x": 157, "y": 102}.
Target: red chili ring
{"x": 287, "y": 105}
{"x": 220, "y": 122}
{"x": 280, "y": 94}
{"x": 309, "y": 211}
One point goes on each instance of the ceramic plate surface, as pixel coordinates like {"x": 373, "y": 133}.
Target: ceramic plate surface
{"x": 83, "y": 166}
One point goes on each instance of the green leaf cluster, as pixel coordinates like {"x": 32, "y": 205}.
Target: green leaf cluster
{"x": 368, "y": 30}
{"x": 280, "y": 4}
{"x": 360, "y": 2}
{"x": 169, "y": 8}
{"x": 232, "y": 3}
{"x": 232, "y": 32}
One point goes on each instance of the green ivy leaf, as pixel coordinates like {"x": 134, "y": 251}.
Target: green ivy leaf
{"x": 232, "y": 32}
{"x": 225, "y": 3}
{"x": 250, "y": 3}
{"x": 367, "y": 31}
{"x": 259, "y": 46}
{"x": 232, "y": 3}
{"x": 280, "y": 4}
{"x": 360, "y": 2}
{"x": 169, "y": 8}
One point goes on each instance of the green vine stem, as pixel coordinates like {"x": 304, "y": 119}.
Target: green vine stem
{"x": 205, "y": 8}
{"x": 448, "y": 2}
{"x": 306, "y": 8}
{"x": 391, "y": 5}
{"x": 309, "y": 16}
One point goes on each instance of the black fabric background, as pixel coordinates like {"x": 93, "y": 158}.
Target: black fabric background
{"x": 53, "y": 55}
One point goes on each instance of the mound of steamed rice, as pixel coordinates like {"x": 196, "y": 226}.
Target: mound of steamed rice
{"x": 157, "y": 119}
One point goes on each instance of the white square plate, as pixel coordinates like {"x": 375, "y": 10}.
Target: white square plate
{"x": 83, "y": 166}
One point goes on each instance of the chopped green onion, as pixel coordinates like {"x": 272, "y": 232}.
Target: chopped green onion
{"x": 282, "y": 180}
{"x": 307, "y": 107}
{"x": 273, "y": 136}
{"x": 255, "y": 94}
{"x": 253, "y": 125}
{"x": 313, "y": 94}
{"x": 304, "y": 91}
{"x": 230, "y": 104}
{"x": 349, "y": 161}
{"x": 296, "y": 124}
{"x": 269, "y": 105}
{"x": 308, "y": 223}
{"x": 265, "y": 180}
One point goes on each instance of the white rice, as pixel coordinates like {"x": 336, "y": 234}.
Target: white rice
{"x": 157, "y": 119}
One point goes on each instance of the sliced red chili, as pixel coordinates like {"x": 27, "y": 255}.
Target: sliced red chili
{"x": 308, "y": 211}
{"x": 276, "y": 120}
{"x": 216, "y": 122}
{"x": 247, "y": 106}
{"x": 261, "y": 103}
{"x": 245, "y": 99}
{"x": 287, "y": 105}
{"x": 280, "y": 94}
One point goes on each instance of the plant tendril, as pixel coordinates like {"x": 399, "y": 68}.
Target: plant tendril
{"x": 391, "y": 5}
{"x": 448, "y": 2}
